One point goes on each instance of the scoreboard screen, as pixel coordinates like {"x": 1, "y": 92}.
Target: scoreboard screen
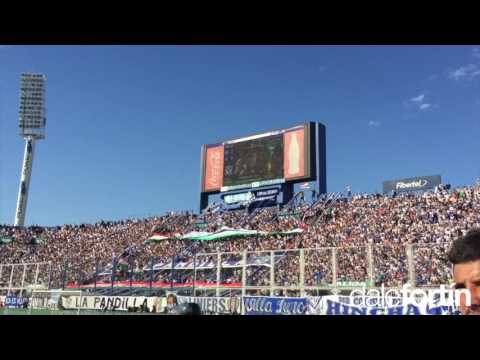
{"x": 275, "y": 157}
{"x": 253, "y": 161}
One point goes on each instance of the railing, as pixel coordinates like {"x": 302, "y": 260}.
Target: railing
{"x": 323, "y": 206}
{"x": 295, "y": 272}
{"x": 17, "y": 278}
{"x": 330, "y": 268}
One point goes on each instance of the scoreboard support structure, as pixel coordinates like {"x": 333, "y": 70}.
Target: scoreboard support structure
{"x": 287, "y": 190}
{"x": 203, "y": 201}
{"x": 318, "y": 149}
{"x": 321, "y": 166}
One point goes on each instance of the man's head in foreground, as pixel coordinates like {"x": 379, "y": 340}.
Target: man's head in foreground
{"x": 465, "y": 257}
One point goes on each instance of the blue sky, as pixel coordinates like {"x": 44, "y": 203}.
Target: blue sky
{"x": 125, "y": 123}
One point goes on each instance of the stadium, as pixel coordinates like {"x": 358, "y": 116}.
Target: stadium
{"x": 268, "y": 239}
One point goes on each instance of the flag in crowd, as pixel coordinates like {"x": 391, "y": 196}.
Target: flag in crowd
{"x": 305, "y": 186}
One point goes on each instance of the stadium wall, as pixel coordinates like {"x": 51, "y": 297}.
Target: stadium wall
{"x": 121, "y": 303}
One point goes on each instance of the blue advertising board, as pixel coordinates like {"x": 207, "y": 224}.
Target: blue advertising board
{"x": 14, "y": 302}
{"x": 262, "y": 305}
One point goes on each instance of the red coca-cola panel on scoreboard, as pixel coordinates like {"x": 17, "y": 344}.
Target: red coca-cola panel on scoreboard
{"x": 213, "y": 168}
{"x": 294, "y": 154}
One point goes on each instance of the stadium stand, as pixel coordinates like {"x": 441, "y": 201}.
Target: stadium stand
{"x": 388, "y": 223}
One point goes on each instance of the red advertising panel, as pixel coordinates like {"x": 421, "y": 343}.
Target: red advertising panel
{"x": 294, "y": 154}
{"x": 214, "y": 158}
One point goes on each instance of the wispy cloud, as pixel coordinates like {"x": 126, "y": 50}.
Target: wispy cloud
{"x": 418, "y": 101}
{"x": 468, "y": 72}
{"x": 322, "y": 68}
{"x": 419, "y": 98}
{"x": 374, "y": 123}
{"x": 433, "y": 77}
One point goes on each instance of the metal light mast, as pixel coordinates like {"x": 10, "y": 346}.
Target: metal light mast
{"x": 32, "y": 122}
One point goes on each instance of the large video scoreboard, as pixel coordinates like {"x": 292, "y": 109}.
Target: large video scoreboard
{"x": 270, "y": 158}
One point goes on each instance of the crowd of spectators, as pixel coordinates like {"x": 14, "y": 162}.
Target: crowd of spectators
{"x": 361, "y": 228}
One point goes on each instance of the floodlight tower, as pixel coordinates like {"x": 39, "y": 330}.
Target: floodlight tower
{"x": 32, "y": 122}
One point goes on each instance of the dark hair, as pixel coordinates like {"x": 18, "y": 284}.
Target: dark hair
{"x": 466, "y": 249}
{"x": 174, "y": 298}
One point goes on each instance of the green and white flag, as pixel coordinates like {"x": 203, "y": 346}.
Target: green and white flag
{"x": 5, "y": 240}
{"x": 222, "y": 234}
{"x": 156, "y": 237}
{"x": 228, "y": 233}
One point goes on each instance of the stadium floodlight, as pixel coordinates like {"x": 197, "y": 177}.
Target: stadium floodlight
{"x": 32, "y": 123}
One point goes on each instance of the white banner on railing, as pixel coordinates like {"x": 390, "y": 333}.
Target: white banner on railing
{"x": 338, "y": 305}
{"x": 214, "y": 305}
{"x": 119, "y": 303}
